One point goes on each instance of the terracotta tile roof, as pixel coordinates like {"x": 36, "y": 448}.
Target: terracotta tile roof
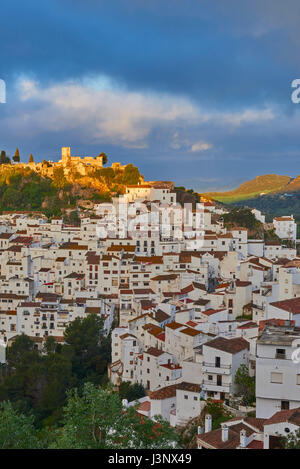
{"x": 292, "y": 305}
{"x": 150, "y": 260}
{"x": 189, "y": 331}
{"x": 256, "y": 422}
{"x": 155, "y": 352}
{"x": 143, "y": 291}
{"x": 76, "y": 276}
{"x": 73, "y": 246}
{"x": 92, "y": 310}
{"x": 22, "y": 240}
{"x": 210, "y": 312}
{"x": 6, "y": 235}
{"x": 240, "y": 283}
{"x": 255, "y": 444}
{"x": 164, "y": 393}
{"x": 152, "y": 329}
{"x": 30, "y": 304}
{"x": 292, "y": 416}
{"x": 161, "y": 336}
{"x": 248, "y": 325}
{"x": 201, "y": 302}
{"x": 192, "y": 387}
{"x": 214, "y": 439}
{"x": 144, "y": 406}
{"x": 161, "y": 316}
{"x": 164, "y": 277}
{"x": 232, "y": 346}
{"x": 173, "y": 325}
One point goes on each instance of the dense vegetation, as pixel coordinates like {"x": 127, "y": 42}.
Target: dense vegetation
{"x": 290, "y": 441}
{"x": 241, "y": 217}
{"x": 37, "y": 382}
{"x": 60, "y": 397}
{"x": 24, "y": 189}
{"x": 219, "y": 414}
{"x": 92, "y": 419}
{"x": 186, "y": 196}
{"x": 245, "y": 385}
{"x": 276, "y": 205}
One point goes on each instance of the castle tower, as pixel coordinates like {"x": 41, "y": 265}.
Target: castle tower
{"x": 66, "y": 155}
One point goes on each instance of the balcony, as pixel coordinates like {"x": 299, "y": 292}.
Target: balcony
{"x": 212, "y": 368}
{"x": 213, "y": 386}
{"x": 258, "y": 307}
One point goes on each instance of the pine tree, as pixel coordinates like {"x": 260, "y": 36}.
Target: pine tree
{"x": 16, "y": 158}
{"x": 31, "y": 160}
{"x": 4, "y": 159}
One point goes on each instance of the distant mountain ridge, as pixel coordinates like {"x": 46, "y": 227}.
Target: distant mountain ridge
{"x": 260, "y": 185}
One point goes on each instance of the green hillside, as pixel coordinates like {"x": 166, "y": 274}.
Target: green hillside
{"x": 268, "y": 183}
{"x": 24, "y": 189}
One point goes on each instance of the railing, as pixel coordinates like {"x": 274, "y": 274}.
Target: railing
{"x": 214, "y": 365}
{"x": 258, "y": 307}
{"x": 212, "y": 384}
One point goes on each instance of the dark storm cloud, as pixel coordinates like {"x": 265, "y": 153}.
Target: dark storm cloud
{"x": 223, "y": 68}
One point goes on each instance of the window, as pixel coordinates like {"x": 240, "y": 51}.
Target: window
{"x": 276, "y": 378}
{"x": 186, "y": 396}
{"x": 285, "y": 405}
{"x": 280, "y": 353}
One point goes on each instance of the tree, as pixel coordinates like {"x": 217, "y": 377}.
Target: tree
{"x": 59, "y": 180}
{"x": 16, "y": 430}
{"x": 218, "y": 413}
{"x": 50, "y": 345}
{"x": 97, "y": 420}
{"x": 131, "y": 174}
{"x": 245, "y": 385}
{"x": 4, "y": 159}
{"x": 131, "y": 392}
{"x": 90, "y": 348}
{"x": 37, "y": 382}
{"x": 104, "y": 158}
{"x": 241, "y": 217}
{"x": 31, "y": 160}
{"x": 292, "y": 440}
{"x": 20, "y": 346}
{"x": 16, "y": 157}
{"x": 107, "y": 174}
{"x": 72, "y": 219}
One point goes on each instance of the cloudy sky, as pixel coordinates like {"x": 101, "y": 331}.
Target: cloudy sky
{"x": 194, "y": 91}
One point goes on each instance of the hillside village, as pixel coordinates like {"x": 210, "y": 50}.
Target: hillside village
{"x": 187, "y": 301}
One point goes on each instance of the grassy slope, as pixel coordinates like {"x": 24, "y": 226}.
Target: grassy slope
{"x": 267, "y": 183}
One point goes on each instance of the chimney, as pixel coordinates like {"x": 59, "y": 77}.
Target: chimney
{"x": 208, "y": 423}
{"x": 243, "y": 439}
{"x": 224, "y": 432}
{"x": 200, "y": 430}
